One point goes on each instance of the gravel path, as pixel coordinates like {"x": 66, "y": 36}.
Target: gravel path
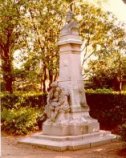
{"x": 12, "y": 149}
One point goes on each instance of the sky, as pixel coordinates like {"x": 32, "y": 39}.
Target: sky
{"x": 117, "y": 7}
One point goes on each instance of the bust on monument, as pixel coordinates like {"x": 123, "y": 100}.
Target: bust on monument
{"x": 71, "y": 27}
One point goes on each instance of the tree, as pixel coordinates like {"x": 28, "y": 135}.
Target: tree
{"x": 10, "y": 11}
{"x": 36, "y": 24}
{"x": 46, "y": 21}
{"x": 95, "y": 28}
{"x": 103, "y": 36}
{"x": 107, "y": 72}
{"x": 100, "y": 32}
{"x": 36, "y": 29}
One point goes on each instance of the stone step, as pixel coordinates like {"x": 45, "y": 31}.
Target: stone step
{"x": 70, "y": 142}
{"x": 61, "y": 138}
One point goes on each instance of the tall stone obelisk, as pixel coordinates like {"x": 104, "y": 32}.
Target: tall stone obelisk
{"x": 68, "y": 124}
{"x": 70, "y": 77}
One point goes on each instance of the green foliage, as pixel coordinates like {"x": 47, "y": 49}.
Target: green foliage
{"x": 100, "y": 32}
{"x": 18, "y": 100}
{"x": 101, "y": 91}
{"x": 22, "y": 112}
{"x": 33, "y": 29}
{"x": 45, "y": 23}
{"x": 104, "y": 41}
{"x": 10, "y": 37}
{"x": 20, "y": 121}
{"x": 107, "y": 106}
{"x": 107, "y": 71}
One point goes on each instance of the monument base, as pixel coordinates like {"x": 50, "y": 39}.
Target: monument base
{"x": 62, "y": 143}
{"x": 70, "y": 131}
{"x": 71, "y": 124}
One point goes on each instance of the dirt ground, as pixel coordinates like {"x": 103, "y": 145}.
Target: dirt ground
{"x": 12, "y": 149}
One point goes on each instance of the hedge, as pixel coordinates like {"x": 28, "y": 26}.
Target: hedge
{"x": 17, "y": 100}
{"x": 108, "y": 107}
{"x": 105, "y": 105}
{"x": 22, "y": 112}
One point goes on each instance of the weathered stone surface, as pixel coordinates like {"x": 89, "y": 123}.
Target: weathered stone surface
{"x": 62, "y": 143}
{"x": 68, "y": 124}
{"x": 71, "y": 27}
{"x": 57, "y": 102}
{"x": 76, "y": 119}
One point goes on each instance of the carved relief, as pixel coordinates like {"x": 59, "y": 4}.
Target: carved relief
{"x": 57, "y": 102}
{"x": 83, "y": 102}
{"x": 78, "y": 96}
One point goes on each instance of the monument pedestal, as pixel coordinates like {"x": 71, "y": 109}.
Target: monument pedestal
{"x": 62, "y": 143}
{"x": 70, "y": 132}
{"x": 69, "y": 125}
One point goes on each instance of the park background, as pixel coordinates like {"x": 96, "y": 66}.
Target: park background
{"x": 29, "y": 32}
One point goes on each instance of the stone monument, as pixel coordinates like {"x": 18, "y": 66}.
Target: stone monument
{"x": 68, "y": 124}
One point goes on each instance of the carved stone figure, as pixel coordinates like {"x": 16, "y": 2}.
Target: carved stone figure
{"x": 71, "y": 26}
{"x": 57, "y": 102}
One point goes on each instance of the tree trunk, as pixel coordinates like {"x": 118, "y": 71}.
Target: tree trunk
{"x": 7, "y": 73}
{"x": 43, "y": 81}
{"x": 50, "y": 77}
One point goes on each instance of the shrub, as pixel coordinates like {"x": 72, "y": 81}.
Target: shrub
{"x": 107, "y": 106}
{"x": 20, "y": 121}
{"x": 9, "y": 100}
{"x": 21, "y": 112}
{"x": 18, "y": 100}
